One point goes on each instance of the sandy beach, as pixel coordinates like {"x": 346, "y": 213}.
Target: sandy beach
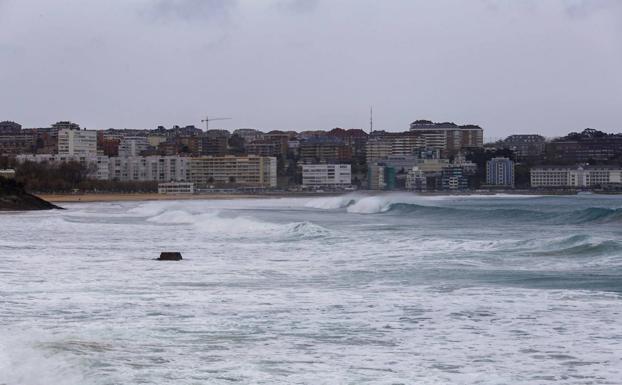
{"x": 110, "y": 197}
{"x": 59, "y": 198}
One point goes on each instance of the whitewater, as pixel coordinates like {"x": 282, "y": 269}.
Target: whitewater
{"x": 352, "y": 289}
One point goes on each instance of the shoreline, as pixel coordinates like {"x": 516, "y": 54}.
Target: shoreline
{"x": 130, "y": 197}
{"x": 121, "y": 197}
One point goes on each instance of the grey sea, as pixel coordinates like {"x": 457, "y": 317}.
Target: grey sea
{"x": 385, "y": 289}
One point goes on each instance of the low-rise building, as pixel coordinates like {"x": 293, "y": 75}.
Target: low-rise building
{"x": 98, "y": 167}
{"x": 326, "y": 175}
{"x": 7, "y": 173}
{"x": 575, "y": 176}
{"x": 176, "y": 188}
{"x": 247, "y": 171}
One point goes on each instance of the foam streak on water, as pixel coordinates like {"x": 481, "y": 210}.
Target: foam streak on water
{"x": 387, "y": 289}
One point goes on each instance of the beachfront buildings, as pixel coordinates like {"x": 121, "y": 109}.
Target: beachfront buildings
{"x": 176, "y": 188}
{"x": 77, "y": 142}
{"x": 500, "y": 172}
{"x": 97, "y": 167}
{"x": 326, "y": 175}
{"x": 381, "y": 177}
{"x": 453, "y": 179}
{"x": 575, "y": 176}
{"x": 149, "y": 168}
{"x": 247, "y": 171}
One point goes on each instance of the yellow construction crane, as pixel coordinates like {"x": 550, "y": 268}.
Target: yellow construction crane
{"x": 208, "y": 119}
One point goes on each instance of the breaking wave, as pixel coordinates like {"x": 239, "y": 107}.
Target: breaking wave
{"x": 404, "y": 204}
{"x": 214, "y": 223}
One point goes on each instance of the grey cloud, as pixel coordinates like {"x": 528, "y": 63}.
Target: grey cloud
{"x": 585, "y": 8}
{"x": 191, "y": 9}
{"x": 299, "y": 6}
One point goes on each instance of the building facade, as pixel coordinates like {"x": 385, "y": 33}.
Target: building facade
{"x": 575, "y": 176}
{"x": 525, "y": 147}
{"x": 381, "y": 177}
{"x": 500, "y": 172}
{"x": 449, "y": 137}
{"x": 155, "y": 168}
{"x": 248, "y": 171}
{"x": 98, "y": 167}
{"x": 77, "y": 142}
{"x": 176, "y": 188}
{"x": 453, "y": 179}
{"x": 326, "y": 175}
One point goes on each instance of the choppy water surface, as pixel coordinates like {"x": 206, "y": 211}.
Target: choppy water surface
{"x": 393, "y": 289}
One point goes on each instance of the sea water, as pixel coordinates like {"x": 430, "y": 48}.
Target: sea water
{"x": 388, "y": 289}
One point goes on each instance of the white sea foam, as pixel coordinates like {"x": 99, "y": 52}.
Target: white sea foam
{"x": 280, "y": 292}
{"x": 331, "y": 203}
{"x": 217, "y": 225}
{"x": 24, "y": 361}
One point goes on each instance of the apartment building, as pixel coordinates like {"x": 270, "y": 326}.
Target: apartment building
{"x": 575, "y": 176}
{"x": 525, "y": 146}
{"x": 149, "y": 168}
{"x": 249, "y": 171}
{"x": 500, "y": 172}
{"x": 77, "y": 142}
{"x": 325, "y": 149}
{"x": 133, "y": 145}
{"x": 326, "y": 175}
{"x": 98, "y": 167}
{"x": 448, "y": 137}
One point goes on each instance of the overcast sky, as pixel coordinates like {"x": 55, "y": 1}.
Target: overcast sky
{"x": 547, "y": 66}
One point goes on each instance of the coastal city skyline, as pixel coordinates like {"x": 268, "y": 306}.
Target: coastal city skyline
{"x": 428, "y": 157}
{"x": 512, "y": 67}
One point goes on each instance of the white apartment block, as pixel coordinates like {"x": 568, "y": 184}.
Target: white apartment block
{"x": 251, "y": 171}
{"x": 149, "y": 168}
{"x": 326, "y": 175}
{"x": 133, "y": 145}
{"x": 564, "y": 176}
{"x": 77, "y": 142}
{"x": 97, "y": 166}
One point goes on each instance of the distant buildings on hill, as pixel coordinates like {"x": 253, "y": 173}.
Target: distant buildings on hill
{"x": 428, "y": 156}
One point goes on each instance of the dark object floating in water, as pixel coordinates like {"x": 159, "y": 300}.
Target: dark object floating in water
{"x": 170, "y": 256}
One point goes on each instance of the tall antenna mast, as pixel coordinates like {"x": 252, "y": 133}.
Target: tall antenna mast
{"x": 371, "y": 119}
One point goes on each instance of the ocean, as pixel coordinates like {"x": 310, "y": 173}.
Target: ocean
{"x": 355, "y": 289}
